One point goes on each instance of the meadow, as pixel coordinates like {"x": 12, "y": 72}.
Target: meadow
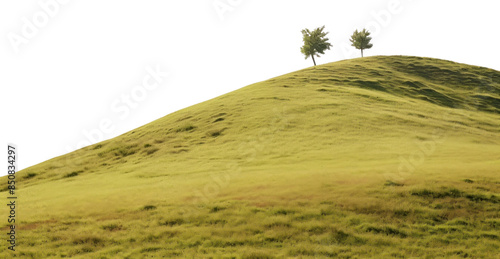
{"x": 378, "y": 157}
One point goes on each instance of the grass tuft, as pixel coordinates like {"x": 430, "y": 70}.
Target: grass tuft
{"x": 216, "y": 209}
{"x": 385, "y": 230}
{"x": 73, "y": 174}
{"x": 391, "y": 183}
{"x": 152, "y": 151}
{"x": 112, "y": 227}
{"x": 185, "y": 128}
{"x": 283, "y": 212}
{"x": 450, "y": 192}
{"x": 149, "y": 207}
{"x": 30, "y": 175}
{"x": 172, "y": 222}
{"x": 89, "y": 240}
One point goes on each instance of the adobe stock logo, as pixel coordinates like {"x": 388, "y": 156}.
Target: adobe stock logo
{"x": 39, "y": 20}
{"x": 224, "y": 6}
{"x": 248, "y": 150}
{"x": 123, "y": 106}
{"x": 409, "y": 164}
{"x": 379, "y": 20}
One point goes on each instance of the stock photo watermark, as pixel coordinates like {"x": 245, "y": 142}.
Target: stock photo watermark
{"x": 378, "y": 21}
{"x": 123, "y": 106}
{"x": 409, "y": 164}
{"x": 31, "y": 26}
{"x": 12, "y": 195}
{"x": 248, "y": 150}
{"x": 223, "y": 7}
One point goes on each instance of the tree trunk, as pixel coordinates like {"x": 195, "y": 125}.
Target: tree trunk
{"x": 361, "y": 52}
{"x": 312, "y": 56}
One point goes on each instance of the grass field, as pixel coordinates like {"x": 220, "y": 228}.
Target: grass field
{"x": 383, "y": 157}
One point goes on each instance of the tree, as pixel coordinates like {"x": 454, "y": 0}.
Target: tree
{"x": 315, "y": 43}
{"x": 361, "y": 40}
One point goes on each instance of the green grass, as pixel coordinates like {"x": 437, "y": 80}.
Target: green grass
{"x": 383, "y": 157}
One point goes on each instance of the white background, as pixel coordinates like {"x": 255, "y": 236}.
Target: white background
{"x": 83, "y": 56}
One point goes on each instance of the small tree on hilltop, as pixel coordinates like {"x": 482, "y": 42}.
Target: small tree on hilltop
{"x": 315, "y": 43}
{"x": 361, "y": 40}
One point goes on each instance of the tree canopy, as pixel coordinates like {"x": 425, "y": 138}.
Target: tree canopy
{"x": 315, "y": 43}
{"x": 361, "y": 40}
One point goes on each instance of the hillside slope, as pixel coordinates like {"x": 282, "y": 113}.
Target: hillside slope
{"x": 394, "y": 156}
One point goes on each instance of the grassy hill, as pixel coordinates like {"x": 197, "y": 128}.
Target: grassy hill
{"x": 382, "y": 157}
